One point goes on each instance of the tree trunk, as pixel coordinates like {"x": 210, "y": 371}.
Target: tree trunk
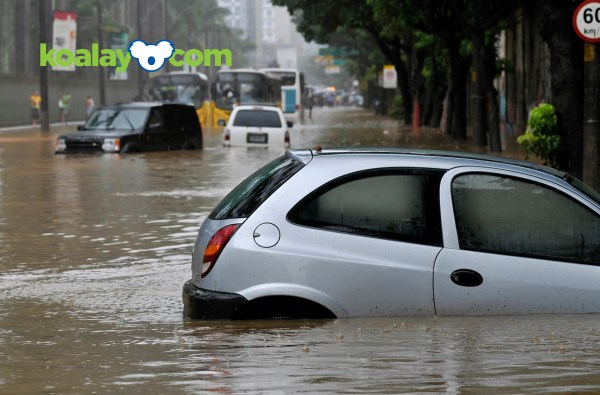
{"x": 478, "y": 97}
{"x": 405, "y": 91}
{"x": 484, "y": 63}
{"x": 459, "y": 69}
{"x": 566, "y": 71}
{"x": 438, "y": 108}
{"x": 428, "y": 104}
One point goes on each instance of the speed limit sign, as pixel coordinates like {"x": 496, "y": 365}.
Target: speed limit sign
{"x": 586, "y": 21}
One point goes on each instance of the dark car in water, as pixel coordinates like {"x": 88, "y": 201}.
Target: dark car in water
{"x": 135, "y": 127}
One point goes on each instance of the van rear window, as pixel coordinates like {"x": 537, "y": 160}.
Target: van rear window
{"x": 257, "y": 118}
{"x": 254, "y": 190}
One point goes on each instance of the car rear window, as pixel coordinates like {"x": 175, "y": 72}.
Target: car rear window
{"x": 257, "y": 118}
{"x": 254, "y": 190}
{"x": 393, "y": 204}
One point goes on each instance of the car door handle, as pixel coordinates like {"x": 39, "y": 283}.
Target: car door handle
{"x": 466, "y": 278}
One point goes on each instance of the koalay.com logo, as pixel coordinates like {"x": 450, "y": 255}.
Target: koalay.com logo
{"x": 150, "y": 57}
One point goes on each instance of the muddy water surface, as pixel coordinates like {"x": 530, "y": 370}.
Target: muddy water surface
{"x": 95, "y": 250}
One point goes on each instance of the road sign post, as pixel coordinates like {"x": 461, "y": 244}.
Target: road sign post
{"x": 586, "y": 23}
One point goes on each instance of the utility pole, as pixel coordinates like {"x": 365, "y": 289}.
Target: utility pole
{"x": 591, "y": 116}
{"x": 45, "y": 119}
{"x": 139, "y": 37}
{"x": 166, "y": 23}
{"x": 102, "y": 81}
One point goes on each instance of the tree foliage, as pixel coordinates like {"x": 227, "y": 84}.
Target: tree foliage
{"x": 440, "y": 46}
{"x": 541, "y": 138}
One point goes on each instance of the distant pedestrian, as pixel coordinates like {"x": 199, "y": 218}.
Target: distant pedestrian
{"x": 89, "y": 106}
{"x": 64, "y": 102}
{"x": 309, "y": 104}
{"x": 36, "y": 104}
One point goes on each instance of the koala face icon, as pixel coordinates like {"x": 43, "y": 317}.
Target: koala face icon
{"x": 151, "y": 57}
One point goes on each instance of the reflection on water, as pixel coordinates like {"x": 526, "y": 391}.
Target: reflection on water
{"x": 95, "y": 250}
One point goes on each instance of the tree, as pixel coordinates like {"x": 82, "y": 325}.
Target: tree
{"x": 485, "y": 26}
{"x": 318, "y": 19}
{"x": 566, "y": 71}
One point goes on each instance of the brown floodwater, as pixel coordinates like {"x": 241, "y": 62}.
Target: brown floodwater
{"x": 95, "y": 251}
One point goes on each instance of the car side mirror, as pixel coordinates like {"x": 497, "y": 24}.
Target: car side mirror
{"x": 80, "y": 128}
{"x": 221, "y": 122}
{"x": 290, "y": 124}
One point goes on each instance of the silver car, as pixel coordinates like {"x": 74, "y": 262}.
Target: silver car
{"x": 385, "y": 232}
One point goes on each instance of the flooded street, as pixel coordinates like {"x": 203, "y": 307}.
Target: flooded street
{"x": 96, "y": 249}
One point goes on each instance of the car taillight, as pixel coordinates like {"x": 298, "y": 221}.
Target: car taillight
{"x": 286, "y": 138}
{"x": 215, "y": 246}
{"x": 297, "y": 107}
{"x": 227, "y": 135}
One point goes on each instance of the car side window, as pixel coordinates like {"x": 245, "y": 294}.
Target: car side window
{"x": 172, "y": 118}
{"x": 397, "y": 205}
{"x": 155, "y": 119}
{"x": 506, "y": 215}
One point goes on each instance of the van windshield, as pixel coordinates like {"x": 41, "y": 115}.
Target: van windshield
{"x": 254, "y": 190}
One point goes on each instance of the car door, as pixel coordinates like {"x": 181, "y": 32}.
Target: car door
{"x": 515, "y": 244}
{"x": 175, "y": 137}
{"x": 156, "y": 135}
{"x": 367, "y": 241}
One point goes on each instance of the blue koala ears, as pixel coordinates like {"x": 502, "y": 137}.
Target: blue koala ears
{"x": 151, "y": 57}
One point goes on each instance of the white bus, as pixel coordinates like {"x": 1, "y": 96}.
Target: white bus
{"x": 292, "y": 92}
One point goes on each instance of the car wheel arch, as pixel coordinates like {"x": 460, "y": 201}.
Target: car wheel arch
{"x": 283, "y": 307}
{"x": 285, "y": 290}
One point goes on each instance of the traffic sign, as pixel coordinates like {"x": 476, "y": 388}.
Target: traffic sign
{"x": 389, "y": 76}
{"x": 586, "y": 21}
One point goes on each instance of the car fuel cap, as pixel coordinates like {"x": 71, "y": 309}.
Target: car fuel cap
{"x": 266, "y": 235}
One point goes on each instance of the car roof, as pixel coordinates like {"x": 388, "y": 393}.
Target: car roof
{"x": 181, "y": 72}
{"x": 258, "y": 107}
{"x": 457, "y": 158}
{"x": 242, "y": 70}
{"x": 144, "y": 104}
{"x": 278, "y": 69}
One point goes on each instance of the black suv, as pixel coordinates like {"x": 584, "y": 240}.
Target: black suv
{"x": 135, "y": 127}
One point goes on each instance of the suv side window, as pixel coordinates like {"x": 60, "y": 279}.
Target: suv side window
{"x": 190, "y": 121}
{"x": 399, "y": 205}
{"x": 155, "y": 120}
{"x": 505, "y": 215}
{"x": 172, "y": 119}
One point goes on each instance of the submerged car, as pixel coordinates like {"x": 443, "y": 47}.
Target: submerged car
{"x": 327, "y": 233}
{"x": 257, "y": 126}
{"x": 135, "y": 127}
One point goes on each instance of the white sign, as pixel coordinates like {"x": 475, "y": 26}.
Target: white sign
{"x": 586, "y": 21}
{"x": 389, "y": 77}
{"x": 64, "y": 36}
{"x": 332, "y": 69}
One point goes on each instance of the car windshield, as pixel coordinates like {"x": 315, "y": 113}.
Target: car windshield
{"x": 110, "y": 118}
{"x": 257, "y": 118}
{"x": 254, "y": 190}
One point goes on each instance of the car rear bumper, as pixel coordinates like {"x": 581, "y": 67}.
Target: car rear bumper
{"x": 203, "y": 304}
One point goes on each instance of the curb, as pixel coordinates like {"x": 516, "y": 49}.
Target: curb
{"x": 12, "y": 129}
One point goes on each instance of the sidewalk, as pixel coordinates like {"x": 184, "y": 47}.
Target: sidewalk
{"x": 31, "y": 128}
